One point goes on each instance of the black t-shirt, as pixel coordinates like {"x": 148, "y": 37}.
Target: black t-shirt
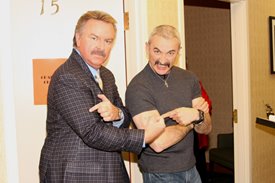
{"x": 148, "y": 91}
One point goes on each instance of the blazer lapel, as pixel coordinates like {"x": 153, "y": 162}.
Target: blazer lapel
{"x": 86, "y": 76}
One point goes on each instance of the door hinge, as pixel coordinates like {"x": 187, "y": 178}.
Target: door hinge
{"x": 126, "y": 21}
{"x": 235, "y": 116}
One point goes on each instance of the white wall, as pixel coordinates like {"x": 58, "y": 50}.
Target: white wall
{"x": 46, "y": 36}
{"x": 9, "y": 165}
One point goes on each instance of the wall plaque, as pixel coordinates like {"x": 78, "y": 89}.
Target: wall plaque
{"x": 42, "y": 73}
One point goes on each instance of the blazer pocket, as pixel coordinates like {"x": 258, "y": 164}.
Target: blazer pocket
{"x": 84, "y": 167}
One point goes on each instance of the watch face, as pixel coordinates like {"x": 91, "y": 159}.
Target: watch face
{"x": 201, "y": 117}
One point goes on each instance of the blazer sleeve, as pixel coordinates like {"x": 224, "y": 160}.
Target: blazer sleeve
{"x": 73, "y": 100}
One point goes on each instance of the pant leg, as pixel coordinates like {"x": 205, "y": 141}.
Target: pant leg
{"x": 189, "y": 176}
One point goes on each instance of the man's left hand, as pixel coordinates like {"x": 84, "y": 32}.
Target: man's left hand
{"x": 106, "y": 109}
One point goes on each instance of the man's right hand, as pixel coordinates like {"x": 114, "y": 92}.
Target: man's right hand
{"x": 153, "y": 129}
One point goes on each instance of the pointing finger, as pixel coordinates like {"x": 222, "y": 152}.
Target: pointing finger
{"x": 168, "y": 114}
{"x": 94, "y": 108}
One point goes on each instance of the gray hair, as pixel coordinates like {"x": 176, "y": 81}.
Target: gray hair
{"x": 165, "y": 31}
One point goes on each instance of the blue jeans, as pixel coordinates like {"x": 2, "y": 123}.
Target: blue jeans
{"x": 189, "y": 176}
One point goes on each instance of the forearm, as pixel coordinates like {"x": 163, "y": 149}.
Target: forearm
{"x": 170, "y": 136}
{"x": 206, "y": 126}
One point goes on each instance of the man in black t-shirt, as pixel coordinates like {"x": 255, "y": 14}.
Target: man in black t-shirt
{"x": 162, "y": 89}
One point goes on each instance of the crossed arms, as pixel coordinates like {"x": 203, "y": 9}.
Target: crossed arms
{"x": 184, "y": 116}
{"x": 152, "y": 122}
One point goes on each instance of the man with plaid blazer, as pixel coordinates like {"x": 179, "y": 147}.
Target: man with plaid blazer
{"x": 82, "y": 145}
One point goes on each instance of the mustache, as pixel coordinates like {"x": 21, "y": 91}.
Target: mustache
{"x": 163, "y": 64}
{"x": 98, "y": 52}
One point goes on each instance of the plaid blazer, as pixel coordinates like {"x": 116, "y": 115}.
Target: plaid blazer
{"x": 80, "y": 146}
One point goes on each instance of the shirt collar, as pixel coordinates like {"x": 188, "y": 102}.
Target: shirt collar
{"x": 93, "y": 70}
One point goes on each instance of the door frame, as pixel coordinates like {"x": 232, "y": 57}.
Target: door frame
{"x": 241, "y": 91}
{"x": 240, "y": 73}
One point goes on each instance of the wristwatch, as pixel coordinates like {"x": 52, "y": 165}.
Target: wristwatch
{"x": 201, "y": 118}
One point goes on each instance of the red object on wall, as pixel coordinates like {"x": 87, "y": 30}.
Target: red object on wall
{"x": 203, "y": 139}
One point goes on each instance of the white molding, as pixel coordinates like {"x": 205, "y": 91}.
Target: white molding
{"x": 136, "y": 37}
{"x": 241, "y": 91}
{"x": 181, "y": 29}
{"x": 7, "y": 96}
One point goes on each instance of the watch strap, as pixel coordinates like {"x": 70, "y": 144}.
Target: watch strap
{"x": 201, "y": 118}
